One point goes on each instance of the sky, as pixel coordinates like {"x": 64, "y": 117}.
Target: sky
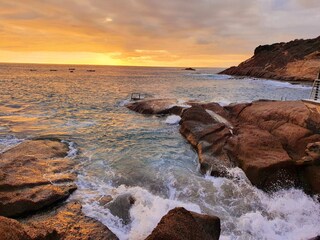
{"x": 195, "y": 33}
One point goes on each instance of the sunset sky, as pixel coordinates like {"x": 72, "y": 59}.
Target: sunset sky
{"x": 149, "y": 32}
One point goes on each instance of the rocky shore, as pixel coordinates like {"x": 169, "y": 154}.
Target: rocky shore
{"x": 36, "y": 177}
{"x": 276, "y": 143}
{"x": 298, "y": 60}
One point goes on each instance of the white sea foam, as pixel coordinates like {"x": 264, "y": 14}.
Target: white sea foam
{"x": 253, "y": 214}
{"x": 145, "y": 213}
{"x": 173, "y": 119}
{"x": 73, "y": 150}
{"x": 8, "y": 142}
{"x": 281, "y": 84}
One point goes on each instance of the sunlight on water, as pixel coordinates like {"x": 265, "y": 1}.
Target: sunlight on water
{"x": 120, "y": 152}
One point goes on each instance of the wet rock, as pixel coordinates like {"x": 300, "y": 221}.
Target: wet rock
{"x": 156, "y": 106}
{"x": 276, "y": 143}
{"x": 66, "y": 222}
{"x": 33, "y": 176}
{"x": 315, "y": 238}
{"x": 312, "y": 176}
{"x": 262, "y": 157}
{"x": 197, "y": 114}
{"x": 295, "y": 60}
{"x": 208, "y": 137}
{"x": 11, "y": 229}
{"x": 105, "y": 199}
{"x": 120, "y": 207}
{"x": 182, "y": 224}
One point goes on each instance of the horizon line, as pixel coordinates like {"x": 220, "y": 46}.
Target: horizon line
{"x": 109, "y": 65}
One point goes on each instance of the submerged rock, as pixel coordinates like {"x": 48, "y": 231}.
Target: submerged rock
{"x": 33, "y": 176}
{"x": 180, "y": 224}
{"x": 156, "y": 106}
{"x": 120, "y": 207}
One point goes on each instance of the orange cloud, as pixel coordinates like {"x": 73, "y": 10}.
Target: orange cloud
{"x": 162, "y": 33}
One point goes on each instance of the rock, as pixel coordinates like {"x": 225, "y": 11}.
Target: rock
{"x": 295, "y": 60}
{"x": 66, "y": 222}
{"x": 276, "y": 143}
{"x": 289, "y": 121}
{"x": 105, "y": 199}
{"x": 156, "y": 106}
{"x": 312, "y": 176}
{"x": 189, "y": 69}
{"x": 182, "y": 224}
{"x": 197, "y": 114}
{"x": 315, "y": 238}
{"x": 120, "y": 207}
{"x": 261, "y": 156}
{"x": 33, "y": 176}
{"x": 208, "y": 137}
{"x": 11, "y": 229}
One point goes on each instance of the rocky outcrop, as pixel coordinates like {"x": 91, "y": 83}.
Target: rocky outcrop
{"x": 182, "y": 224}
{"x": 34, "y": 177}
{"x": 208, "y": 136}
{"x": 11, "y": 229}
{"x": 298, "y": 60}
{"x": 276, "y": 143}
{"x": 66, "y": 222}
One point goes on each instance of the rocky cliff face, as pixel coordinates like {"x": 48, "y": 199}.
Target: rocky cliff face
{"x": 298, "y": 60}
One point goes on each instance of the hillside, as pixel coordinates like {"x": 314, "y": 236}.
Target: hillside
{"x": 297, "y": 60}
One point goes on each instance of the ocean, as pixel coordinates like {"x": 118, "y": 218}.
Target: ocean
{"x": 121, "y": 152}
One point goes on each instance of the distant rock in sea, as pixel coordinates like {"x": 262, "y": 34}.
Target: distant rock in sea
{"x": 189, "y": 69}
{"x": 297, "y": 60}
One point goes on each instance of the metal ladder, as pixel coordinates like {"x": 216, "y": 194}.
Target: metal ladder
{"x": 315, "y": 92}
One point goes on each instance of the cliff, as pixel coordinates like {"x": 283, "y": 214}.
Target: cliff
{"x": 298, "y": 60}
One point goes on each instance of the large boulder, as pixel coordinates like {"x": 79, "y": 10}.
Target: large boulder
{"x": 180, "y": 224}
{"x": 275, "y": 141}
{"x": 33, "y": 175}
{"x": 262, "y": 157}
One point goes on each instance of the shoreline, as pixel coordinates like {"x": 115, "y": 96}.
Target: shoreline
{"x": 217, "y": 132}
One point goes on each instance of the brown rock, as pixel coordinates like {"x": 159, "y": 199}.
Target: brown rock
{"x": 262, "y": 157}
{"x": 197, "y": 114}
{"x": 312, "y": 176}
{"x": 12, "y": 230}
{"x": 182, "y": 224}
{"x": 67, "y": 223}
{"x": 208, "y": 137}
{"x": 295, "y": 60}
{"x": 33, "y": 175}
{"x": 156, "y": 106}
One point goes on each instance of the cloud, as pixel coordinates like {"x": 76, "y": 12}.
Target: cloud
{"x": 202, "y": 30}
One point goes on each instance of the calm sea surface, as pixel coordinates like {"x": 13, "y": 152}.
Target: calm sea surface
{"x": 119, "y": 151}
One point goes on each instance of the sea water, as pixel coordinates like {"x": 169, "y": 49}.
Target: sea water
{"x": 121, "y": 152}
